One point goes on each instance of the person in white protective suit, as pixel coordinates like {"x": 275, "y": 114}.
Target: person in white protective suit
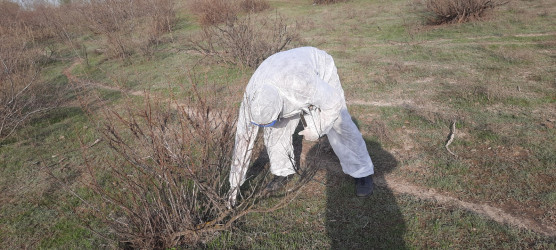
{"x": 287, "y": 85}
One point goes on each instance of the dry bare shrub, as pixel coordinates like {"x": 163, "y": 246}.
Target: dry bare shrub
{"x": 45, "y": 24}
{"x": 246, "y": 41}
{"x": 328, "y": 1}
{"x": 9, "y": 10}
{"x": 254, "y": 6}
{"x": 214, "y": 12}
{"x": 18, "y": 94}
{"x": 160, "y": 19}
{"x": 459, "y": 11}
{"x": 128, "y": 25}
{"x": 166, "y": 185}
{"x": 60, "y": 22}
{"x": 12, "y": 16}
{"x": 22, "y": 94}
{"x": 9, "y": 16}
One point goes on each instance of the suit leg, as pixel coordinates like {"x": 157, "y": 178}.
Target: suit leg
{"x": 348, "y": 144}
{"x": 278, "y": 143}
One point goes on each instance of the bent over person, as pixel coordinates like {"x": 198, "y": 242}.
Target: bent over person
{"x": 287, "y": 85}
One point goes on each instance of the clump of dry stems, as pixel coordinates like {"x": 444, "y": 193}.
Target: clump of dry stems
{"x": 30, "y": 38}
{"x": 215, "y": 12}
{"x": 328, "y": 1}
{"x": 254, "y": 6}
{"x": 23, "y": 94}
{"x": 127, "y": 25}
{"x": 459, "y": 11}
{"x": 166, "y": 183}
{"x": 246, "y": 41}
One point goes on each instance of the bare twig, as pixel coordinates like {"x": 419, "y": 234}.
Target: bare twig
{"x": 451, "y": 137}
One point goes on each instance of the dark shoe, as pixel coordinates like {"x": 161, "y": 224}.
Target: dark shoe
{"x": 277, "y": 183}
{"x": 364, "y": 186}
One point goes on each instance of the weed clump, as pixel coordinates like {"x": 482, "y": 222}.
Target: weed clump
{"x": 458, "y": 11}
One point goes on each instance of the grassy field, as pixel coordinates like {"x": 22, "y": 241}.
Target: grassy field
{"x": 405, "y": 83}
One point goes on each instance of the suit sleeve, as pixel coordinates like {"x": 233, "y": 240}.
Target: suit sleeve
{"x": 243, "y": 147}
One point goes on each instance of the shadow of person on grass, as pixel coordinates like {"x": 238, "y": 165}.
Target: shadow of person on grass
{"x": 375, "y": 222}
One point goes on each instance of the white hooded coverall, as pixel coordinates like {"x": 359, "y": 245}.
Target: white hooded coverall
{"x": 283, "y": 86}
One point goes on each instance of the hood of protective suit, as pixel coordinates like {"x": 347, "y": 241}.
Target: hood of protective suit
{"x": 265, "y": 104}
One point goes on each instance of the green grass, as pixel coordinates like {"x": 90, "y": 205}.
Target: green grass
{"x": 386, "y": 220}
{"x": 495, "y": 77}
{"x": 38, "y": 212}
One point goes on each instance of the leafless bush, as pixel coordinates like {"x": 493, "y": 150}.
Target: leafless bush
{"x": 58, "y": 22}
{"x": 458, "y": 11}
{"x": 127, "y": 25}
{"x": 214, "y": 12}
{"x": 328, "y": 1}
{"x": 254, "y": 6}
{"x": 247, "y": 41}
{"x": 162, "y": 17}
{"x": 18, "y": 94}
{"x": 15, "y": 17}
{"x": 22, "y": 94}
{"x": 166, "y": 184}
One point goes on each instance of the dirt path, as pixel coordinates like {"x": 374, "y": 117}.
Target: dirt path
{"x": 494, "y": 213}
{"x": 403, "y": 187}
{"x": 396, "y": 185}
